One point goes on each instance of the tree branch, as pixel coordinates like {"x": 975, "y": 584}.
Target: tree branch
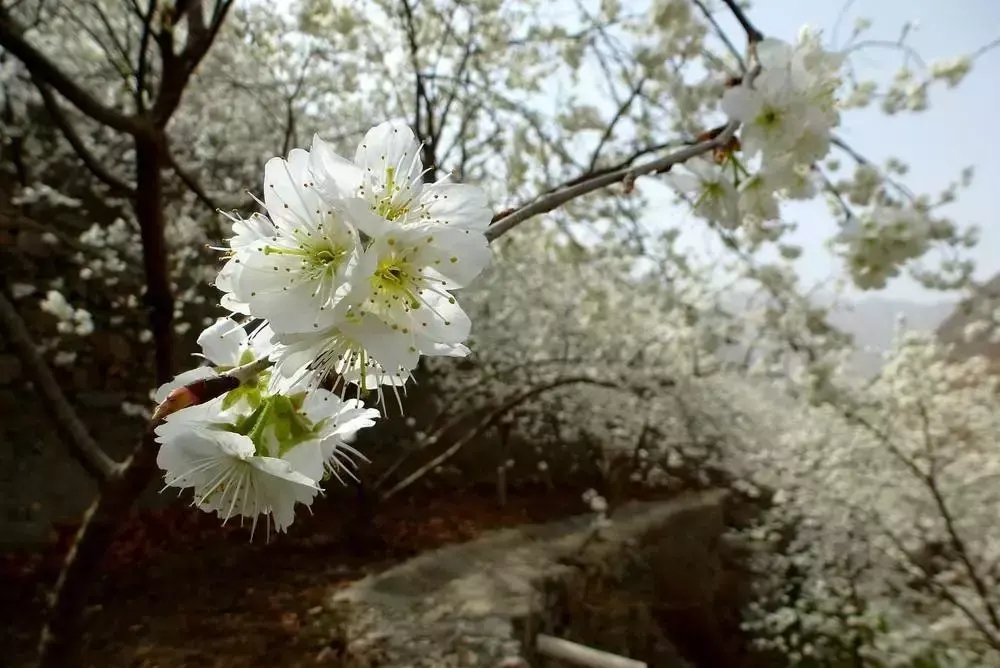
{"x": 734, "y": 52}
{"x": 619, "y": 115}
{"x": 957, "y": 543}
{"x": 89, "y": 160}
{"x": 74, "y": 433}
{"x": 43, "y": 69}
{"x": 425, "y": 134}
{"x": 753, "y": 34}
{"x": 191, "y": 182}
{"x": 486, "y": 423}
{"x": 143, "y": 60}
{"x": 58, "y": 645}
{"x": 581, "y": 655}
{"x": 562, "y": 195}
{"x": 178, "y": 68}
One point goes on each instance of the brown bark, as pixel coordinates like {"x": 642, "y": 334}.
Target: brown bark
{"x": 59, "y": 645}
{"x": 149, "y": 213}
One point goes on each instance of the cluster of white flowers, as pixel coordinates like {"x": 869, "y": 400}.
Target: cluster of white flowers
{"x": 883, "y": 548}
{"x": 786, "y": 113}
{"x": 881, "y": 241}
{"x": 71, "y": 320}
{"x": 349, "y": 277}
{"x": 42, "y": 193}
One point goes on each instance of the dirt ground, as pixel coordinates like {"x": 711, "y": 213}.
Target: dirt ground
{"x": 179, "y": 590}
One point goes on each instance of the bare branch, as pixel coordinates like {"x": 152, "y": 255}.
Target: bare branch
{"x": 143, "y": 64}
{"x": 610, "y": 130}
{"x": 722, "y": 34}
{"x": 75, "y": 435}
{"x": 43, "y": 69}
{"x": 59, "y": 640}
{"x": 486, "y": 423}
{"x": 76, "y": 142}
{"x": 189, "y": 180}
{"x": 290, "y": 125}
{"x": 425, "y": 132}
{"x": 568, "y": 193}
{"x": 58, "y": 644}
{"x": 178, "y": 68}
{"x": 753, "y": 34}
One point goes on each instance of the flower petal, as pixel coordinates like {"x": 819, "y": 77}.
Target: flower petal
{"x": 335, "y": 176}
{"x": 223, "y": 342}
{"x": 390, "y": 146}
{"x": 456, "y": 205}
{"x": 290, "y": 194}
{"x": 182, "y": 379}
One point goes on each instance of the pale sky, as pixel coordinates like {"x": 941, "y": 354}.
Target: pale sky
{"x": 956, "y": 131}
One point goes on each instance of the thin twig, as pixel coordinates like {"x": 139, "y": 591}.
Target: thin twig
{"x": 75, "y": 435}
{"x": 619, "y": 115}
{"x": 722, "y": 35}
{"x": 41, "y": 67}
{"x": 563, "y": 195}
{"x": 65, "y": 125}
{"x": 486, "y": 423}
{"x": 753, "y": 34}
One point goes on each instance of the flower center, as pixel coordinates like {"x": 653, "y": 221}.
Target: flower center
{"x": 387, "y": 206}
{"x": 768, "y": 117}
{"x": 276, "y": 425}
{"x": 324, "y": 258}
{"x": 393, "y": 283}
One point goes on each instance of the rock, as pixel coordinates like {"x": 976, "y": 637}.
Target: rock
{"x": 481, "y": 603}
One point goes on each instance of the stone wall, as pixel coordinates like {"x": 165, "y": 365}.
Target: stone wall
{"x": 482, "y": 603}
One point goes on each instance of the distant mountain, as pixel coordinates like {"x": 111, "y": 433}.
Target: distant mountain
{"x": 952, "y": 330}
{"x": 872, "y": 322}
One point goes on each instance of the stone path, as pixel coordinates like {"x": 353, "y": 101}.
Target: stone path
{"x": 480, "y": 603}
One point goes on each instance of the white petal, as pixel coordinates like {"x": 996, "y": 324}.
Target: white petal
{"x": 274, "y": 289}
{"x": 225, "y": 282}
{"x": 390, "y": 145}
{"x": 774, "y": 54}
{"x": 359, "y": 211}
{"x": 457, "y": 205}
{"x": 281, "y": 487}
{"x": 182, "y": 379}
{"x": 440, "y": 320}
{"x": 234, "y": 445}
{"x": 434, "y": 349}
{"x": 251, "y": 230}
{"x": 740, "y": 103}
{"x": 457, "y": 255}
{"x": 289, "y": 194}
{"x": 321, "y": 404}
{"x": 188, "y": 460}
{"x": 335, "y": 176}
{"x": 223, "y": 342}
{"x": 307, "y": 458}
{"x": 685, "y": 183}
{"x": 351, "y": 421}
{"x": 391, "y": 348}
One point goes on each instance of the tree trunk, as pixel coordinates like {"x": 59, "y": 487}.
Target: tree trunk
{"x": 149, "y": 213}
{"x": 59, "y": 646}
{"x": 60, "y": 642}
